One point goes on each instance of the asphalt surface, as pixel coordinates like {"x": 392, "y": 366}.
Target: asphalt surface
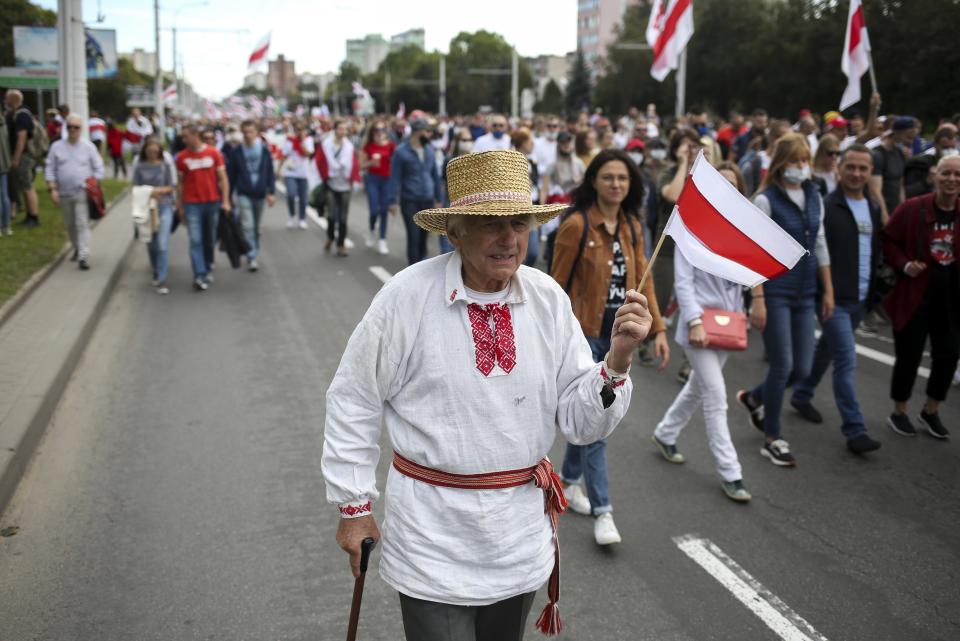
{"x": 177, "y": 494}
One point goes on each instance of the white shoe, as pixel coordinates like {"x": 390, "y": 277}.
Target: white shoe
{"x": 303, "y": 224}
{"x": 576, "y": 499}
{"x": 605, "y": 530}
{"x": 348, "y": 243}
{"x": 370, "y": 241}
{"x": 382, "y": 247}
{"x": 291, "y": 223}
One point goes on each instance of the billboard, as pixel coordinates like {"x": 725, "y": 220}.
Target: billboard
{"x": 36, "y": 48}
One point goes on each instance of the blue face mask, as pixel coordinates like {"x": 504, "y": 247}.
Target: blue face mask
{"x": 498, "y": 133}
{"x": 703, "y": 130}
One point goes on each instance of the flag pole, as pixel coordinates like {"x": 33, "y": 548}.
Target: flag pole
{"x": 873, "y": 75}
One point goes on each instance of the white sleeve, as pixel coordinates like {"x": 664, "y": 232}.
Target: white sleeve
{"x": 684, "y": 289}
{"x": 581, "y": 417}
{"x": 96, "y": 161}
{"x": 820, "y": 248}
{"x": 763, "y": 203}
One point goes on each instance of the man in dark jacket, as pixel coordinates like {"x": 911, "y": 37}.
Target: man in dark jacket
{"x": 250, "y": 169}
{"x": 852, "y": 227}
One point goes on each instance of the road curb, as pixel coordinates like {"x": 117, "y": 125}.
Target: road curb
{"x": 13, "y": 468}
{"x": 8, "y": 309}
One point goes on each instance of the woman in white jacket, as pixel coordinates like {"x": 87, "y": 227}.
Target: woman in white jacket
{"x": 697, "y": 290}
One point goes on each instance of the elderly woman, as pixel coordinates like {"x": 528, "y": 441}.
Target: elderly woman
{"x": 473, "y": 361}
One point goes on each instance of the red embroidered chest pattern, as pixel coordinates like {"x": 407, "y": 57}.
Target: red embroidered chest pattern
{"x": 492, "y": 350}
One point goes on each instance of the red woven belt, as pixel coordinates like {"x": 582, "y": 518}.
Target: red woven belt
{"x": 555, "y": 504}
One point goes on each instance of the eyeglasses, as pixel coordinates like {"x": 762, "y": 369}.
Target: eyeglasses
{"x": 378, "y": 130}
{"x": 553, "y": 125}
{"x": 73, "y": 127}
{"x": 833, "y": 154}
{"x": 499, "y": 125}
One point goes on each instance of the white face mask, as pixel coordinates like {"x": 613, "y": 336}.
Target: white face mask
{"x": 437, "y": 144}
{"x": 552, "y": 135}
{"x": 658, "y": 154}
{"x": 235, "y": 137}
{"x": 637, "y": 158}
{"x": 796, "y": 175}
{"x": 466, "y": 147}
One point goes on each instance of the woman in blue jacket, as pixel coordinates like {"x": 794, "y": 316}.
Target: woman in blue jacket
{"x": 783, "y": 308}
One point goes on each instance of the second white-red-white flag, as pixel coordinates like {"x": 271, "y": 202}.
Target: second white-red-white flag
{"x": 721, "y": 232}
{"x": 856, "y": 54}
{"x": 260, "y": 51}
{"x": 669, "y": 30}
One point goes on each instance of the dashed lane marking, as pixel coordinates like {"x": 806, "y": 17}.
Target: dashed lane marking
{"x": 881, "y": 357}
{"x": 381, "y": 273}
{"x": 776, "y": 614}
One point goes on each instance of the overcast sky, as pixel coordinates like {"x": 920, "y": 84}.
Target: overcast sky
{"x": 313, "y": 33}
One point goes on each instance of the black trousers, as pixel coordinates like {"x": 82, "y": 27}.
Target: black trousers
{"x": 501, "y": 621}
{"x": 938, "y": 318}
{"x": 339, "y": 209}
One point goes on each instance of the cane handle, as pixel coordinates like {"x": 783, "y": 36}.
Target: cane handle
{"x": 365, "y": 548}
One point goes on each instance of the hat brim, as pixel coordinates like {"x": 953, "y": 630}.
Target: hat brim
{"x": 435, "y": 220}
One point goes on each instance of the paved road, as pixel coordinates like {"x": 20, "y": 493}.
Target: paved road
{"x": 177, "y": 494}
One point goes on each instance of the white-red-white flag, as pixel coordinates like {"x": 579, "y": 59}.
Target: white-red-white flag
{"x": 856, "y": 54}
{"x": 720, "y": 231}
{"x": 169, "y": 94}
{"x": 402, "y": 111}
{"x": 673, "y": 30}
{"x": 260, "y": 51}
{"x": 658, "y": 12}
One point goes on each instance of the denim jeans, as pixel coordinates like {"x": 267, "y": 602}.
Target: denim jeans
{"x": 444, "y": 243}
{"x": 533, "y": 248}
{"x": 837, "y": 344}
{"x": 590, "y": 461}
{"x": 296, "y": 196}
{"x": 339, "y": 210}
{"x": 250, "y": 210}
{"x": 378, "y": 199}
{"x": 4, "y": 202}
{"x": 788, "y": 339}
{"x": 201, "y": 218}
{"x": 159, "y": 246}
{"x": 416, "y": 237}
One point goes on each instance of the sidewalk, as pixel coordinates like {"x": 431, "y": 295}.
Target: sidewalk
{"x": 42, "y": 341}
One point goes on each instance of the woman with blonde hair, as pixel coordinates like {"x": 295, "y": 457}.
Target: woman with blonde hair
{"x": 783, "y": 308}
{"x": 825, "y": 163}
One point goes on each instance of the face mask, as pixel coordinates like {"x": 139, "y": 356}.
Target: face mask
{"x": 796, "y": 175}
{"x": 552, "y": 135}
{"x": 236, "y": 137}
{"x": 658, "y": 154}
{"x": 564, "y": 153}
{"x": 425, "y": 140}
{"x": 466, "y": 146}
{"x": 636, "y": 158}
{"x": 437, "y": 144}
{"x": 703, "y": 130}
{"x": 498, "y": 134}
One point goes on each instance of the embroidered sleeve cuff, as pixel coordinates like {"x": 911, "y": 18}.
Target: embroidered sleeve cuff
{"x": 609, "y": 375}
{"x": 356, "y": 509}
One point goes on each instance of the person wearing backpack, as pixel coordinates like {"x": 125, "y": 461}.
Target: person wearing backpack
{"x": 598, "y": 257}
{"x": 27, "y": 141}
{"x": 4, "y": 174}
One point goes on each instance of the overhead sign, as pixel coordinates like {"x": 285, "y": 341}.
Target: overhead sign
{"x": 35, "y": 48}
{"x": 140, "y": 96}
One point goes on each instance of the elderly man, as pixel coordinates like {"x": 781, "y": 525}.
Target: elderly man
{"x": 70, "y": 162}
{"x": 497, "y": 139}
{"x": 473, "y": 361}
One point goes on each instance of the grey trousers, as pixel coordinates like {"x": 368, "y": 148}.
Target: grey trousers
{"x": 76, "y": 218}
{"x": 501, "y": 621}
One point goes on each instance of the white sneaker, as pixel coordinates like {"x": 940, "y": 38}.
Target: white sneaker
{"x": 303, "y": 224}
{"x": 291, "y": 223}
{"x": 348, "y": 243}
{"x": 382, "y": 247}
{"x": 576, "y": 499}
{"x": 370, "y": 241}
{"x": 605, "y": 530}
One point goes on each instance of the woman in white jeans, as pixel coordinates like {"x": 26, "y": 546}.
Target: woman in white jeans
{"x": 695, "y": 290}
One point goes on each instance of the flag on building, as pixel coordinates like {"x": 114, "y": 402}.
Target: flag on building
{"x": 855, "y": 60}
{"x": 670, "y": 28}
{"x": 260, "y": 51}
{"x": 721, "y": 232}
{"x": 169, "y": 94}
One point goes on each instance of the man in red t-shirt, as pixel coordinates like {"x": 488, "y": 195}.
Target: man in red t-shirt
{"x": 202, "y": 191}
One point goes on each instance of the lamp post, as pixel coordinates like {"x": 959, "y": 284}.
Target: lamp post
{"x": 176, "y": 12}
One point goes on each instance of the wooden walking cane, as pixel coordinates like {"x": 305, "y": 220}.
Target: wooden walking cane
{"x": 365, "y": 549}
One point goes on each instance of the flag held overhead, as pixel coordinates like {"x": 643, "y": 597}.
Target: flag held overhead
{"x": 260, "y": 51}
{"x": 721, "y": 232}
{"x": 855, "y": 60}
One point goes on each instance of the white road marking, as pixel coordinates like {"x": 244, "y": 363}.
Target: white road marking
{"x": 381, "y": 273}
{"x": 880, "y": 357}
{"x": 776, "y": 614}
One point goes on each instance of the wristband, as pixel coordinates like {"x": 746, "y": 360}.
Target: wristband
{"x": 696, "y": 322}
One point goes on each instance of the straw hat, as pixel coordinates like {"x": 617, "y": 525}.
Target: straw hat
{"x": 491, "y": 183}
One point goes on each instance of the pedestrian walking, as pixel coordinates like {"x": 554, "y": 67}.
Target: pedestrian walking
{"x": 922, "y": 242}
{"x": 851, "y": 223}
{"x": 376, "y": 154}
{"x": 415, "y": 185}
{"x": 250, "y": 174}
{"x": 783, "y": 308}
{"x": 138, "y": 128}
{"x": 24, "y": 129}
{"x": 698, "y": 294}
{"x": 152, "y": 170}
{"x": 496, "y": 139}
{"x": 598, "y": 257}
{"x": 890, "y": 163}
{"x": 297, "y": 151}
{"x": 70, "y": 163}
{"x": 340, "y": 170}
{"x": 115, "y": 145}
{"x": 473, "y": 361}
{"x": 97, "y": 127}
{"x": 202, "y": 191}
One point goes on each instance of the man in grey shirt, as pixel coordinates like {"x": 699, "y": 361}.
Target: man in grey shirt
{"x": 70, "y": 162}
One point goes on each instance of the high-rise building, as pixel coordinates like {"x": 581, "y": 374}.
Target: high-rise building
{"x": 597, "y": 21}
{"x": 368, "y": 52}
{"x": 416, "y": 37}
{"x": 142, "y": 61}
{"x": 281, "y": 76}
{"x": 548, "y": 67}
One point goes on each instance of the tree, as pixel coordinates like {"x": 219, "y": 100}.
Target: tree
{"x": 108, "y": 96}
{"x": 552, "y": 100}
{"x": 579, "y": 89}
{"x": 340, "y": 90}
{"x": 414, "y": 80}
{"x": 481, "y": 50}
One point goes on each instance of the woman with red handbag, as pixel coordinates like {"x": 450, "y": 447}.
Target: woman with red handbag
{"x": 711, "y": 324}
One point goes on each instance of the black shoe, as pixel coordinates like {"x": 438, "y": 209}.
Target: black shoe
{"x": 74, "y": 256}
{"x": 684, "y": 374}
{"x": 862, "y": 444}
{"x": 900, "y": 424}
{"x": 755, "y": 409}
{"x": 934, "y": 427}
{"x": 30, "y": 221}
{"x": 808, "y": 411}
{"x": 83, "y": 265}
{"x": 779, "y": 453}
